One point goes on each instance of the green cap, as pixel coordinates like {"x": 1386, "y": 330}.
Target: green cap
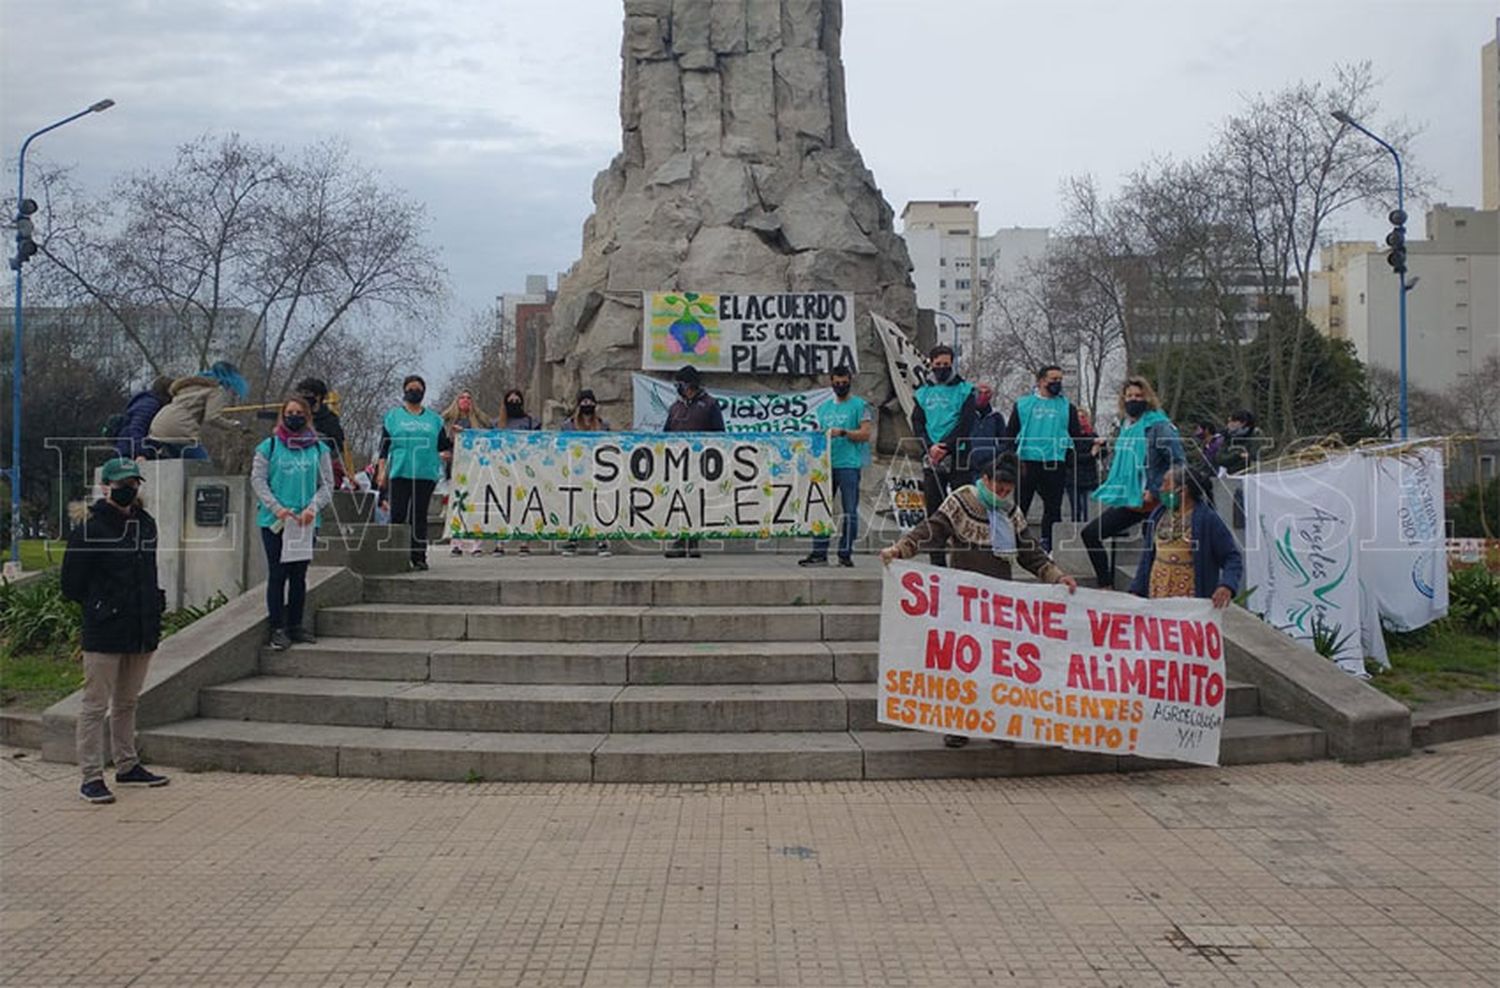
{"x": 121, "y": 468}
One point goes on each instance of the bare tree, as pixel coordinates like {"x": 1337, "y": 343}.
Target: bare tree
{"x": 250, "y": 255}
{"x": 489, "y": 361}
{"x": 1289, "y": 168}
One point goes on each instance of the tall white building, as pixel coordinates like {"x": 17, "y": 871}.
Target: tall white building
{"x": 942, "y": 237}
{"x": 1453, "y": 310}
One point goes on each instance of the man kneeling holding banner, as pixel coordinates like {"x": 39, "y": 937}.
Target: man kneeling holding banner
{"x": 966, "y": 653}
{"x": 982, "y": 527}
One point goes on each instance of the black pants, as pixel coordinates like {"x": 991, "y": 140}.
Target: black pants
{"x": 1111, "y": 522}
{"x": 935, "y": 488}
{"x": 286, "y": 585}
{"x": 1048, "y": 480}
{"x": 409, "y": 499}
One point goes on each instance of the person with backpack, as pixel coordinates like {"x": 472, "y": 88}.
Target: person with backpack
{"x": 197, "y": 401}
{"x": 293, "y": 480}
{"x": 110, "y": 569}
{"x": 326, "y": 422}
{"x": 131, "y": 429}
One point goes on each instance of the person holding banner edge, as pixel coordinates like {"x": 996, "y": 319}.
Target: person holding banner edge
{"x": 1190, "y": 552}
{"x": 585, "y": 418}
{"x": 695, "y": 410}
{"x": 1146, "y": 447}
{"x": 982, "y": 526}
{"x": 847, "y": 421}
{"x": 943, "y": 415}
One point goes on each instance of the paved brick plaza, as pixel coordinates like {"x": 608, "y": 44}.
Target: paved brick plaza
{"x": 1315, "y": 874}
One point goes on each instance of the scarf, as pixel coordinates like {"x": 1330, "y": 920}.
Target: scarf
{"x": 1126, "y": 484}
{"x": 1002, "y": 529}
{"x": 296, "y": 440}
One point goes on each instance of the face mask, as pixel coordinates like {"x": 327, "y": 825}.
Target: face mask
{"x": 942, "y": 374}
{"x": 1237, "y": 431}
{"x": 990, "y": 499}
{"x": 295, "y": 423}
{"x": 841, "y": 389}
{"x": 682, "y": 389}
{"x": 1135, "y": 407}
{"x": 1171, "y": 500}
{"x": 414, "y": 396}
{"x": 123, "y": 496}
{"x": 587, "y": 411}
{"x": 514, "y": 408}
{"x": 1054, "y": 388}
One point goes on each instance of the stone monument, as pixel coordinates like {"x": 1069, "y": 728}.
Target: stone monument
{"x": 737, "y": 174}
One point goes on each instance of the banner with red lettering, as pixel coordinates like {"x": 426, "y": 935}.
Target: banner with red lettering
{"x": 964, "y": 654}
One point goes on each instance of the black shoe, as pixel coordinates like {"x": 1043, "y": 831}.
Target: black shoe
{"x": 846, "y": 560}
{"x": 420, "y": 565}
{"x": 813, "y": 560}
{"x": 954, "y": 740}
{"x": 693, "y": 552}
{"x": 677, "y": 550}
{"x": 280, "y": 640}
{"x": 301, "y": 636}
{"x": 139, "y": 775}
{"x": 95, "y": 791}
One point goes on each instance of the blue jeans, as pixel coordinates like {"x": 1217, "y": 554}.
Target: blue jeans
{"x": 846, "y": 486}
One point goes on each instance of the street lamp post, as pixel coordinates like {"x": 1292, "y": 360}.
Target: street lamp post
{"x": 17, "y": 371}
{"x": 1403, "y": 286}
{"x": 957, "y": 343}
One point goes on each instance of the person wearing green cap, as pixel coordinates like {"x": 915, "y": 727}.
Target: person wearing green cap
{"x": 110, "y": 569}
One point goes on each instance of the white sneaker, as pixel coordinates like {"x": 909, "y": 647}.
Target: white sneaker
{"x": 604, "y": 549}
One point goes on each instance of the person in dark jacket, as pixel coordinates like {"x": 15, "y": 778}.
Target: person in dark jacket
{"x": 1083, "y": 467}
{"x": 986, "y": 438}
{"x": 943, "y": 415}
{"x": 964, "y": 527}
{"x": 695, "y": 410}
{"x": 134, "y": 433}
{"x": 326, "y": 422}
{"x": 110, "y": 569}
{"x": 1190, "y": 552}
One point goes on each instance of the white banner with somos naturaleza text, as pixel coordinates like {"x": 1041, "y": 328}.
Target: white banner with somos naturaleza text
{"x": 743, "y": 411}
{"x": 509, "y": 484}
{"x": 797, "y": 334}
{"x": 962, "y": 653}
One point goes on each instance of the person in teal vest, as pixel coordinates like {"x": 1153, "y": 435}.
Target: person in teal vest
{"x": 1044, "y": 425}
{"x": 847, "y": 421}
{"x": 413, "y": 447}
{"x": 1145, "y": 449}
{"x": 293, "y": 480}
{"x": 944, "y": 415}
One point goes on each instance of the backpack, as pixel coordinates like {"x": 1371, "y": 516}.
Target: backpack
{"x": 113, "y": 425}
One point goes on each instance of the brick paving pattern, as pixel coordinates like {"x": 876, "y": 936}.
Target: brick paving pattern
{"x": 1317, "y": 874}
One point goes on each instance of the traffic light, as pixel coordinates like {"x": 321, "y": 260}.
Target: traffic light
{"x": 1396, "y": 241}
{"x": 25, "y": 246}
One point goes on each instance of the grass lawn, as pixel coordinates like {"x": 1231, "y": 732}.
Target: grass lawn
{"x": 35, "y": 554}
{"x": 40, "y": 679}
{"x": 1441, "y": 663}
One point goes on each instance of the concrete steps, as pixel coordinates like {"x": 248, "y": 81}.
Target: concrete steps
{"x": 207, "y": 744}
{"x": 615, "y": 670}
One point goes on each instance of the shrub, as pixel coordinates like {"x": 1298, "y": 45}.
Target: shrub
{"x": 174, "y": 621}
{"x": 1465, "y": 514}
{"x": 35, "y": 616}
{"x": 1474, "y": 599}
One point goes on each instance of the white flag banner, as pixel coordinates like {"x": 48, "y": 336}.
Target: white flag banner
{"x": 744, "y": 411}
{"x": 1302, "y": 552}
{"x": 1405, "y": 566}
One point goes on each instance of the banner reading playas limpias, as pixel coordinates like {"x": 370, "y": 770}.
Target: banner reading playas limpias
{"x": 631, "y": 485}
{"x": 801, "y": 334}
{"x": 744, "y": 411}
{"x": 965, "y": 654}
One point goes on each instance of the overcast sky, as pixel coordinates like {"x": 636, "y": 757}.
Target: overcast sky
{"x": 497, "y": 113}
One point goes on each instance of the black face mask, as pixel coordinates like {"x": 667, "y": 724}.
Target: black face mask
{"x": 587, "y": 411}
{"x": 1135, "y": 407}
{"x": 514, "y": 409}
{"x": 682, "y": 389}
{"x": 1054, "y": 388}
{"x": 941, "y": 374}
{"x": 295, "y": 423}
{"x": 841, "y": 388}
{"x": 414, "y": 396}
{"x": 123, "y": 496}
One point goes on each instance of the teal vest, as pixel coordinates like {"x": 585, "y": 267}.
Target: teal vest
{"x": 844, "y": 454}
{"x": 1125, "y": 487}
{"x": 414, "y": 444}
{"x": 1044, "y": 429}
{"x": 942, "y": 404}
{"x": 292, "y": 474}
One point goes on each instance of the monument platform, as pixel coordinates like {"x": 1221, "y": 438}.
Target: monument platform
{"x": 635, "y": 668}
